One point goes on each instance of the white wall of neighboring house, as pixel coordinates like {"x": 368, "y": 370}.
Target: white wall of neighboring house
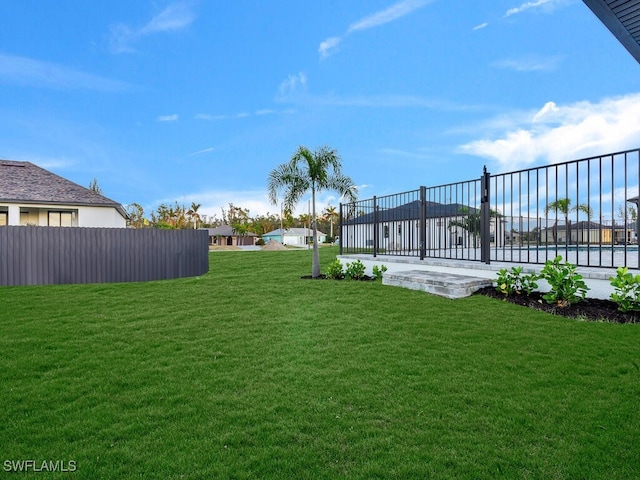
{"x": 100, "y": 217}
{"x": 81, "y": 216}
{"x": 405, "y": 235}
{"x": 293, "y": 239}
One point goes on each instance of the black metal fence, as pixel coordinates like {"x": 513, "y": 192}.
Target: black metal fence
{"x": 54, "y": 255}
{"x": 585, "y": 210}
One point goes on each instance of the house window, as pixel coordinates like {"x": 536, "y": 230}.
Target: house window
{"x": 28, "y": 217}
{"x": 4, "y": 218}
{"x": 62, "y": 219}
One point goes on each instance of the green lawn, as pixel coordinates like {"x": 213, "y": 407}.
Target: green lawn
{"x": 251, "y": 372}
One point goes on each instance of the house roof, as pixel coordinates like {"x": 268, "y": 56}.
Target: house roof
{"x": 411, "y": 211}
{"x": 227, "y": 231}
{"x": 306, "y": 232}
{"x": 25, "y": 182}
{"x": 622, "y": 18}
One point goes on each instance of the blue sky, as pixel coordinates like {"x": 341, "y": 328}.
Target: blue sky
{"x": 185, "y": 101}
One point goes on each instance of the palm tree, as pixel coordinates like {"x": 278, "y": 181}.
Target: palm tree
{"x": 193, "y": 213}
{"x": 472, "y": 221}
{"x": 330, "y": 214}
{"x": 316, "y": 171}
{"x": 563, "y": 205}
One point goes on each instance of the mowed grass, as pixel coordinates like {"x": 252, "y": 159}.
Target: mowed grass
{"x": 251, "y": 372}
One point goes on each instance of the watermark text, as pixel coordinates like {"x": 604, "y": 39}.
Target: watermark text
{"x": 39, "y": 466}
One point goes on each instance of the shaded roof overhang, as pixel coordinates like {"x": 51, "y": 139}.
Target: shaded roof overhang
{"x": 622, "y": 17}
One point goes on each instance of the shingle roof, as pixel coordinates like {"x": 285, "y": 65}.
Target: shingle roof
{"x": 411, "y": 211}
{"x": 25, "y": 182}
{"x": 227, "y": 231}
{"x": 294, "y": 231}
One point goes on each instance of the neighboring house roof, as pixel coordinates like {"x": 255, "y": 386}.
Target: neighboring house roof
{"x": 227, "y": 231}
{"x": 24, "y": 182}
{"x": 411, "y": 211}
{"x": 622, "y": 18}
{"x": 306, "y": 232}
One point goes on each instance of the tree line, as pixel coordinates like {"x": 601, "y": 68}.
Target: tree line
{"x": 177, "y": 216}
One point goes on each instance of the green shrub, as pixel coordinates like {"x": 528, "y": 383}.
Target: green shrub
{"x": 567, "y": 286}
{"x": 378, "y": 271}
{"x": 513, "y": 281}
{"x": 626, "y": 290}
{"x": 260, "y": 241}
{"x": 354, "y": 270}
{"x": 335, "y": 270}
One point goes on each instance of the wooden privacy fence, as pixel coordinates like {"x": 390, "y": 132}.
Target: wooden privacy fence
{"x": 53, "y": 255}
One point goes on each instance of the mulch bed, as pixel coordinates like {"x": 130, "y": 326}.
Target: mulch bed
{"x": 366, "y": 278}
{"x": 591, "y": 309}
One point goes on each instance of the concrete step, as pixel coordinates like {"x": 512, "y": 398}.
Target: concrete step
{"x": 449, "y": 285}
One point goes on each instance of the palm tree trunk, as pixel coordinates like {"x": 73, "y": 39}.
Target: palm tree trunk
{"x": 315, "y": 272}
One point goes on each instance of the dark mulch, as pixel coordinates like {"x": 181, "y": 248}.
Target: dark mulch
{"x": 592, "y": 309}
{"x": 366, "y": 278}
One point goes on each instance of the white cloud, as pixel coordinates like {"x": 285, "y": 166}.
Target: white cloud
{"x": 200, "y": 152}
{"x": 176, "y": 16}
{"x": 292, "y": 87}
{"x": 530, "y": 63}
{"x": 549, "y": 111}
{"x": 557, "y": 133}
{"x": 328, "y": 46}
{"x": 207, "y": 116}
{"x": 527, "y": 6}
{"x": 36, "y": 73}
{"x": 167, "y": 118}
{"x": 481, "y": 26}
{"x": 389, "y": 14}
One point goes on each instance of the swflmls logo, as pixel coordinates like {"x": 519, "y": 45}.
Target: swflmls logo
{"x": 44, "y": 466}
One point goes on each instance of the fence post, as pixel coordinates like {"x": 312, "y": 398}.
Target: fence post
{"x": 423, "y": 222}
{"x": 485, "y": 217}
{"x": 375, "y": 226}
{"x": 340, "y": 230}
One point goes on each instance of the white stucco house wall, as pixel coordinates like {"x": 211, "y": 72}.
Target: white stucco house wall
{"x": 294, "y": 236}
{"x": 31, "y": 195}
{"x": 398, "y": 228}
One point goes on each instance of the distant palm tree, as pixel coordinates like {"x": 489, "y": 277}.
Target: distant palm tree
{"x": 471, "y": 222}
{"x": 193, "y": 213}
{"x": 331, "y": 214}
{"x": 315, "y": 171}
{"x": 563, "y": 205}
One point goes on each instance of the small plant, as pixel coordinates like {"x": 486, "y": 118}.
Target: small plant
{"x": 567, "y": 286}
{"x": 335, "y": 270}
{"x": 378, "y": 271}
{"x": 626, "y": 290}
{"x": 513, "y": 281}
{"x": 354, "y": 270}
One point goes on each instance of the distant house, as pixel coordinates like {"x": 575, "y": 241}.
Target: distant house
{"x": 398, "y": 228}
{"x": 225, "y": 235}
{"x": 294, "y": 236}
{"x": 30, "y": 195}
{"x": 589, "y": 232}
